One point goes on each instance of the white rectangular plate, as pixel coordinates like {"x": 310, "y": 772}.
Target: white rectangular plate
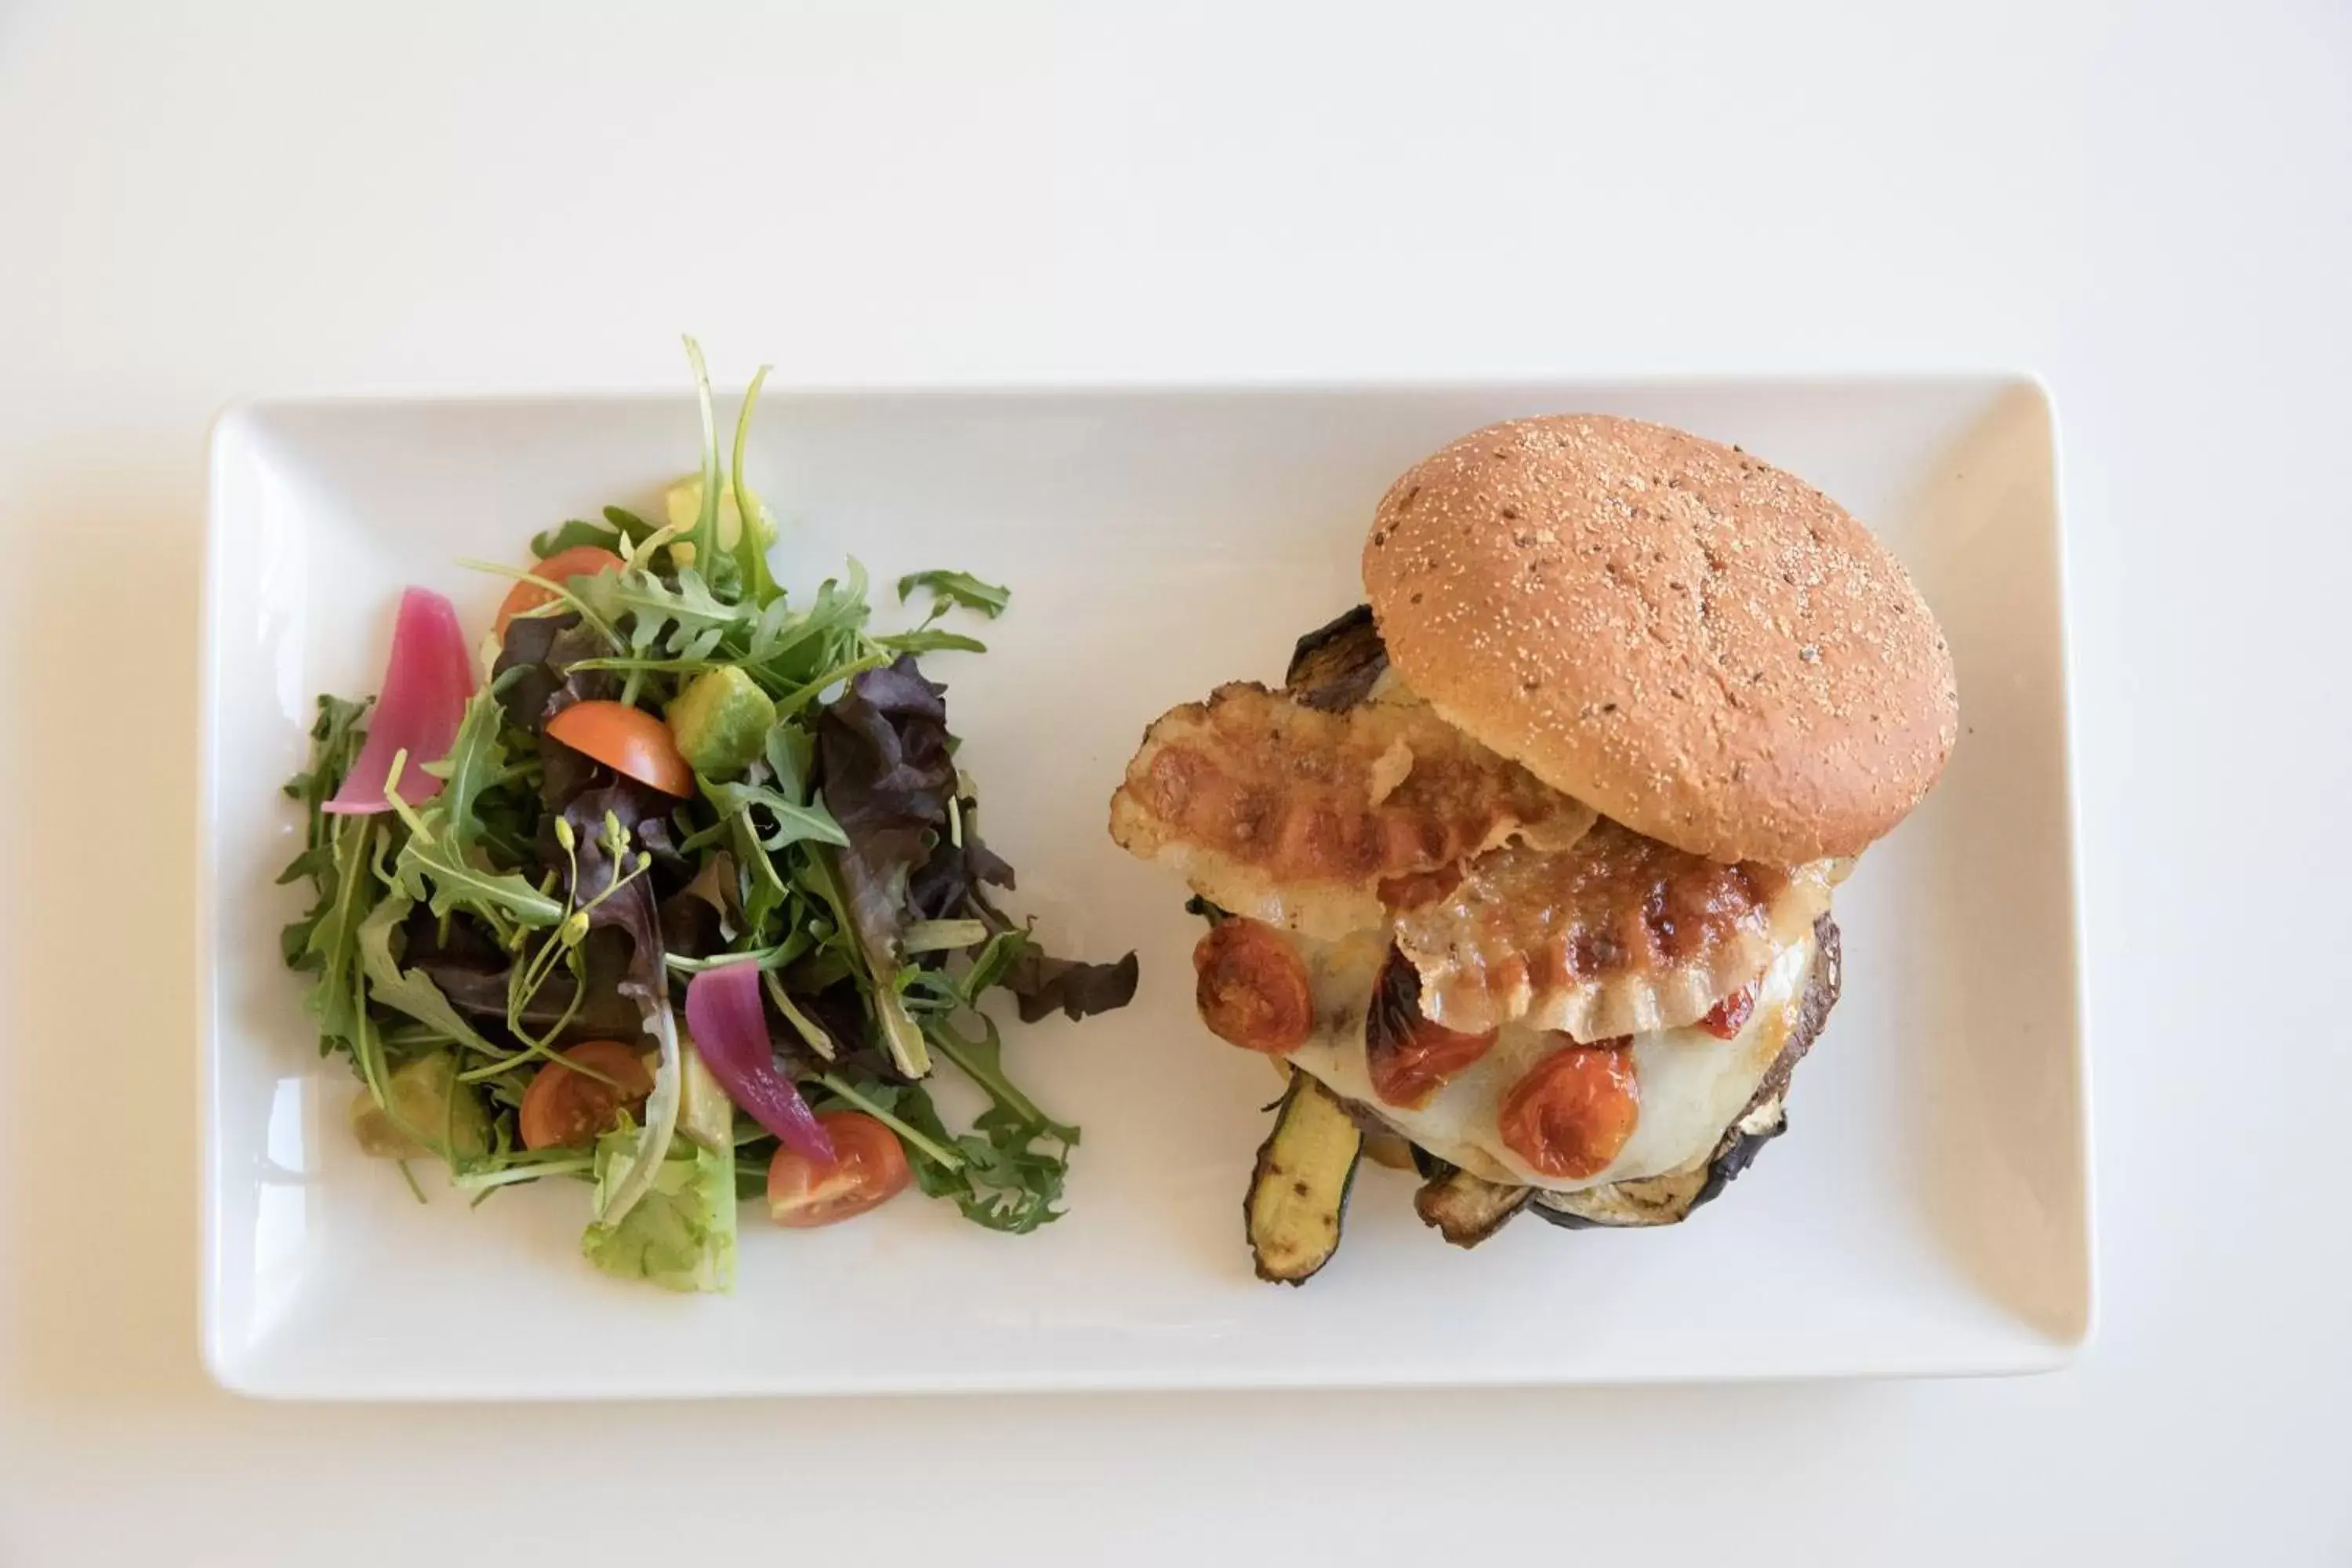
{"x": 1927, "y": 1213}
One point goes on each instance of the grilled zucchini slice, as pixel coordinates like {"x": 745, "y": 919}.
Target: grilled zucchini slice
{"x": 1298, "y": 1194}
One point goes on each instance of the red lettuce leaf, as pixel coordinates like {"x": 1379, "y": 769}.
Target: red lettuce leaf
{"x": 887, "y": 774}
{"x": 1041, "y": 985}
{"x": 534, "y": 671}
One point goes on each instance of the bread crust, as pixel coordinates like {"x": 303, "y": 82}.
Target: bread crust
{"x": 1691, "y": 641}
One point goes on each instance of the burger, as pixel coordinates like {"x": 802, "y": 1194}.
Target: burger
{"x": 1524, "y": 873}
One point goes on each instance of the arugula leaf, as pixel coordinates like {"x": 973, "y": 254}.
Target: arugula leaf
{"x": 929, "y": 639}
{"x": 331, "y": 947}
{"x": 431, "y": 871}
{"x": 1017, "y": 1170}
{"x": 960, "y": 588}
{"x": 1006, "y": 1177}
{"x": 476, "y": 759}
{"x": 882, "y": 1102}
{"x": 339, "y": 857}
{"x": 617, "y": 531}
{"x": 790, "y": 755}
{"x": 1013, "y": 1164}
{"x": 573, "y": 533}
{"x": 706, "y": 527}
{"x": 982, "y": 1061}
{"x": 751, "y": 548}
{"x": 794, "y": 824}
{"x": 633, "y": 528}
{"x": 410, "y": 990}
{"x": 764, "y": 890}
{"x": 438, "y": 863}
{"x": 335, "y": 741}
{"x": 793, "y": 650}
{"x": 686, "y": 619}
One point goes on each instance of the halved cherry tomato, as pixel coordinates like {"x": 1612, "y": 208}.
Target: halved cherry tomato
{"x": 1408, "y": 1055}
{"x": 1253, "y": 989}
{"x": 564, "y": 1108}
{"x": 580, "y": 561}
{"x": 1728, "y": 1016}
{"x": 1574, "y": 1111}
{"x": 626, "y": 740}
{"x": 868, "y": 1170}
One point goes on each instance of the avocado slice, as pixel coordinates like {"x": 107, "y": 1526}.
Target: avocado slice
{"x": 426, "y": 1110}
{"x": 722, "y": 722}
{"x": 705, "y": 1115}
{"x": 682, "y": 505}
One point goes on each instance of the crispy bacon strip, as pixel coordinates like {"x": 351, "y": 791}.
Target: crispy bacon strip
{"x": 1320, "y": 821}
{"x": 1617, "y": 934}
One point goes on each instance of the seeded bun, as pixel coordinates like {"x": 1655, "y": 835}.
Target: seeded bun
{"x": 1686, "y": 638}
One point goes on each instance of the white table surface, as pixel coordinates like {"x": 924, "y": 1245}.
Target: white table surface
{"x": 200, "y": 203}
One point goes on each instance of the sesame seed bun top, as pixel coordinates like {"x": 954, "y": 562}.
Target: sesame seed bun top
{"x": 1693, "y": 642}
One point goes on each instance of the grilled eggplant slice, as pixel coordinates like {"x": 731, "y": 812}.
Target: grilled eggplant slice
{"x": 1299, "y": 1195}
{"x": 1337, "y": 665}
{"x": 1467, "y": 1209}
{"x": 1667, "y": 1199}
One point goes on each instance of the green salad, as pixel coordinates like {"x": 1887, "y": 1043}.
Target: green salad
{"x": 685, "y": 899}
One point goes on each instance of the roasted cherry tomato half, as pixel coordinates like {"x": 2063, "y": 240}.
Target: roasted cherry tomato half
{"x": 1407, "y": 1055}
{"x": 580, "y": 561}
{"x": 868, "y": 1170}
{"x": 564, "y": 1108}
{"x": 1574, "y": 1111}
{"x": 626, "y": 740}
{"x": 1253, "y": 989}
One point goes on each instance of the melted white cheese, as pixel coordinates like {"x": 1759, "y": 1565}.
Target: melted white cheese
{"x": 1691, "y": 1084}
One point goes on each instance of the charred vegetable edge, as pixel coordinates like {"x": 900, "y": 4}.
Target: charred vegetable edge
{"x": 1467, "y": 1209}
